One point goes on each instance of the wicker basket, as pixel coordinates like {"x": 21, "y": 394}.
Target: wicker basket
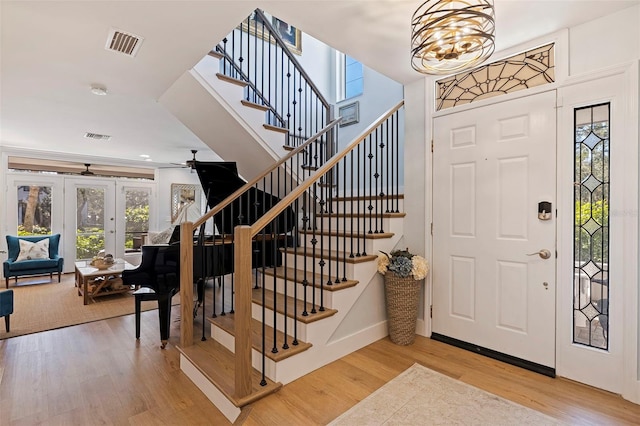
{"x": 402, "y": 297}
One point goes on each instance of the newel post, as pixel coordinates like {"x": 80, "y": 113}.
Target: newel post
{"x": 186, "y": 284}
{"x": 242, "y": 268}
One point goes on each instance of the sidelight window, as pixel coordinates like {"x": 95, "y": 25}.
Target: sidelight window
{"x": 591, "y": 226}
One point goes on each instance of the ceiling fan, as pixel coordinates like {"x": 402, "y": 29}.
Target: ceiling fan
{"x": 189, "y": 163}
{"x": 87, "y": 172}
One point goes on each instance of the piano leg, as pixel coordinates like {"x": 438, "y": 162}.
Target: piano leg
{"x": 142, "y": 294}
{"x": 164, "y": 316}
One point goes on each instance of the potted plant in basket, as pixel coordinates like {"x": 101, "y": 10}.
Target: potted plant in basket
{"x": 402, "y": 273}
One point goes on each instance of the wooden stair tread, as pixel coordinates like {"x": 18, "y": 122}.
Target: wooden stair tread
{"x": 232, "y": 80}
{"x": 217, "y": 363}
{"x": 227, "y": 323}
{"x": 254, "y": 105}
{"x": 275, "y": 128}
{"x": 291, "y": 302}
{"x": 215, "y": 54}
{"x": 291, "y": 272}
{"x": 369, "y": 197}
{"x": 289, "y": 147}
{"x": 388, "y": 215}
{"x": 326, "y": 254}
{"x": 362, "y": 236}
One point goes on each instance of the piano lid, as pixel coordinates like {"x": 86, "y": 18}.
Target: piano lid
{"x": 219, "y": 179}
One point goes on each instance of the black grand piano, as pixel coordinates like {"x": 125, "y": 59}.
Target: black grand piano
{"x": 159, "y": 271}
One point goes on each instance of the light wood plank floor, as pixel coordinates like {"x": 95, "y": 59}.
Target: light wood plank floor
{"x": 97, "y": 373}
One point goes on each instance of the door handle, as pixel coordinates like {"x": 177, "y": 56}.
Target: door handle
{"x": 544, "y": 254}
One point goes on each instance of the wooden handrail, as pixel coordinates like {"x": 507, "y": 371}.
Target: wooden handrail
{"x": 292, "y": 58}
{"x": 224, "y": 203}
{"x": 323, "y": 170}
{"x": 247, "y": 80}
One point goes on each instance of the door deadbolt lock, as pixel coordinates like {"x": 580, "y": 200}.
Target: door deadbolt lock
{"x": 544, "y": 254}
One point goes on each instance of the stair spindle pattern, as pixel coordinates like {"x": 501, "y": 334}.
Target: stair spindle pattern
{"x": 256, "y": 54}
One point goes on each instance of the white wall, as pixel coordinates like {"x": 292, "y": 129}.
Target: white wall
{"x": 611, "y": 40}
{"x": 380, "y": 93}
{"x": 316, "y": 60}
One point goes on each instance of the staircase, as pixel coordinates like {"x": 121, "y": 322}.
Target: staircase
{"x": 321, "y": 298}
{"x": 352, "y": 314}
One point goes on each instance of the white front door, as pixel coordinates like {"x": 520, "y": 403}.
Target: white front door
{"x": 494, "y": 253}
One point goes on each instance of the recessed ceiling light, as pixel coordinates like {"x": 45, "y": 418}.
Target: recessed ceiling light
{"x": 144, "y": 155}
{"x": 98, "y": 90}
{"x": 148, "y": 159}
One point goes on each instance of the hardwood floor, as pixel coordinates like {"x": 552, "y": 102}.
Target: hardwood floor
{"x": 97, "y": 373}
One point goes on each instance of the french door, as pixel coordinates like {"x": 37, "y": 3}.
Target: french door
{"x": 90, "y": 217}
{"x": 494, "y": 228}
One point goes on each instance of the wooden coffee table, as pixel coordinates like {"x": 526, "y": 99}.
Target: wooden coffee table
{"x": 93, "y": 282}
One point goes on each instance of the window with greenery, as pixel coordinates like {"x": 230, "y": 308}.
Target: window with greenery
{"x": 591, "y": 226}
{"x": 89, "y": 222}
{"x": 136, "y": 217}
{"x": 34, "y": 210}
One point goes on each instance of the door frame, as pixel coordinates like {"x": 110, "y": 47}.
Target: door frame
{"x": 631, "y": 318}
{"x": 624, "y": 171}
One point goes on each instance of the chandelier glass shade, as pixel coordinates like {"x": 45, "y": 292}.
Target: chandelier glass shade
{"x": 448, "y": 36}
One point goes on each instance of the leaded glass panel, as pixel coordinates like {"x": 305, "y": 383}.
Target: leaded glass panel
{"x": 591, "y": 226}
{"x": 523, "y": 71}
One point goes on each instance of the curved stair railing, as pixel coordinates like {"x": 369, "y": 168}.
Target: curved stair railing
{"x": 256, "y": 54}
{"x": 315, "y": 248}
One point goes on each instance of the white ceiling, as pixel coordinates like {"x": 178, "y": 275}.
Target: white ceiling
{"x": 52, "y": 51}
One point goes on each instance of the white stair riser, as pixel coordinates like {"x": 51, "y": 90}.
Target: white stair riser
{"x": 383, "y": 206}
{"x": 337, "y": 269}
{"x": 256, "y": 312}
{"x": 226, "y": 407}
{"x": 291, "y": 285}
{"x": 229, "y": 342}
{"x": 355, "y": 245}
{"x": 366, "y": 223}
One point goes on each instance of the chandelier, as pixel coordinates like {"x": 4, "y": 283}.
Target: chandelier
{"x": 448, "y": 36}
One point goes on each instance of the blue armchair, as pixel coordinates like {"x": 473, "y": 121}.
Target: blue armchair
{"x": 14, "y": 268}
{"x": 6, "y": 306}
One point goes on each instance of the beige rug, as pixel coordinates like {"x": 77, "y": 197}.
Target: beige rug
{"x": 40, "y": 305}
{"x": 420, "y": 396}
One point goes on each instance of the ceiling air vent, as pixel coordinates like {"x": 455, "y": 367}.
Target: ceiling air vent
{"x": 97, "y": 136}
{"x": 120, "y": 41}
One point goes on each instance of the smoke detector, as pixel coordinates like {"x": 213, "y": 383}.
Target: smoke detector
{"x": 123, "y": 42}
{"x": 98, "y": 90}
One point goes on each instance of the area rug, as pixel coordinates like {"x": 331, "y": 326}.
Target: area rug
{"x": 420, "y": 396}
{"x": 40, "y": 306}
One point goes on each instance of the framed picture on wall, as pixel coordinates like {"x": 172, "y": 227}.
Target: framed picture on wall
{"x": 184, "y": 196}
{"x": 350, "y": 114}
{"x": 291, "y": 36}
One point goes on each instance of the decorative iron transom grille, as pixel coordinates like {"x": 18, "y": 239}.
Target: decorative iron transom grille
{"x": 591, "y": 226}
{"x": 523, "y": 71}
